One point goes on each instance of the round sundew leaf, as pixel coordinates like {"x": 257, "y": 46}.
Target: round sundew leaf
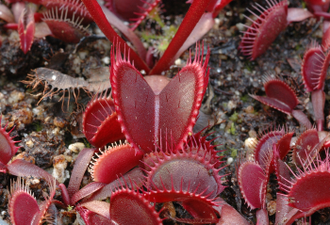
{"x": 252, "y": 181}
{"x": 311, "y": 192}
{"x": 117, "y": 160}
{"x": 131, "y": 208}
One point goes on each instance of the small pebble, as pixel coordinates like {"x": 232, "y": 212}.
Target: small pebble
{"x": 76, "y": 147}
{"x": 38, "y": 112}
{"x": 56, "y": 131}
{"x": 24, "y": 156}
{"x": 278, "y": 70}
{"x": 178, "y": 62}
{"x": 29, "y": 143}
{"x": 59, "y": 122}
{"x": 29, "y": 181}
{"x": 229, "y": 160}
{"x": 48, "y": 119}
{"x": 250, "y": 144}
{"x": 249, "y": 109}
{"x": 271, "y": 208}
{"x": 240, "y": 26}
{"x": 231, "y": 105}
{"x": 3, "y": 99}
{"x": 21, "y": 117}
{"x": 60, "y": 164}
{"x": 223, "y": 57}
{"x": 106, "y": 60}
{"x": 253, "y": 133}
{"x": 15, "y": 96}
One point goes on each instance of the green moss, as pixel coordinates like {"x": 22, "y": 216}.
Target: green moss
{"x": 233, "y": 152}
{"x": 298, "y": 47}
{"x": 245, "y": 98}
{"x": 154, "y": 15}
{"x": 232, "y": 129}
{"x": 234, "y": 117}
{"x": 37, "y": 126}
{"x": 87, "y": 144}
{"x": 249, "y": 66}
{"x": 164, "y": 38}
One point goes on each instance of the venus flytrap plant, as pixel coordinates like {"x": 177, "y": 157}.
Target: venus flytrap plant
{"x": 16, "y": 167}
{"x": 100, "y": 124}
{"x": 152, "y": 111}
{"x": 24, "y": 208}
{"x": 314, "y": 68}
{"x": 280, "y": 138}
{"x": 270, "y": 22}
{"x": 60, "y": 21}
{"x": 307, "y": 146}
{"x": 127, "y": 11}
{"x": 64, "y": 20}
{"x": 26, "y": 29}
{"x": 175, "y": 169}
{"x": 253, "y": 179}
{"x": 292, "y": 205}
{"x": 176, "y": 46}
{"x": 317, "y": 5}
{"x": 281, "y": 97}
{"x": 156, "y": 116}
{"x": 312, "y": 179}
{"x": 8, "y": 148}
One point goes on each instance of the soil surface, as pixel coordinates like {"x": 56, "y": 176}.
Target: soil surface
{"x": 49, "y": 127}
